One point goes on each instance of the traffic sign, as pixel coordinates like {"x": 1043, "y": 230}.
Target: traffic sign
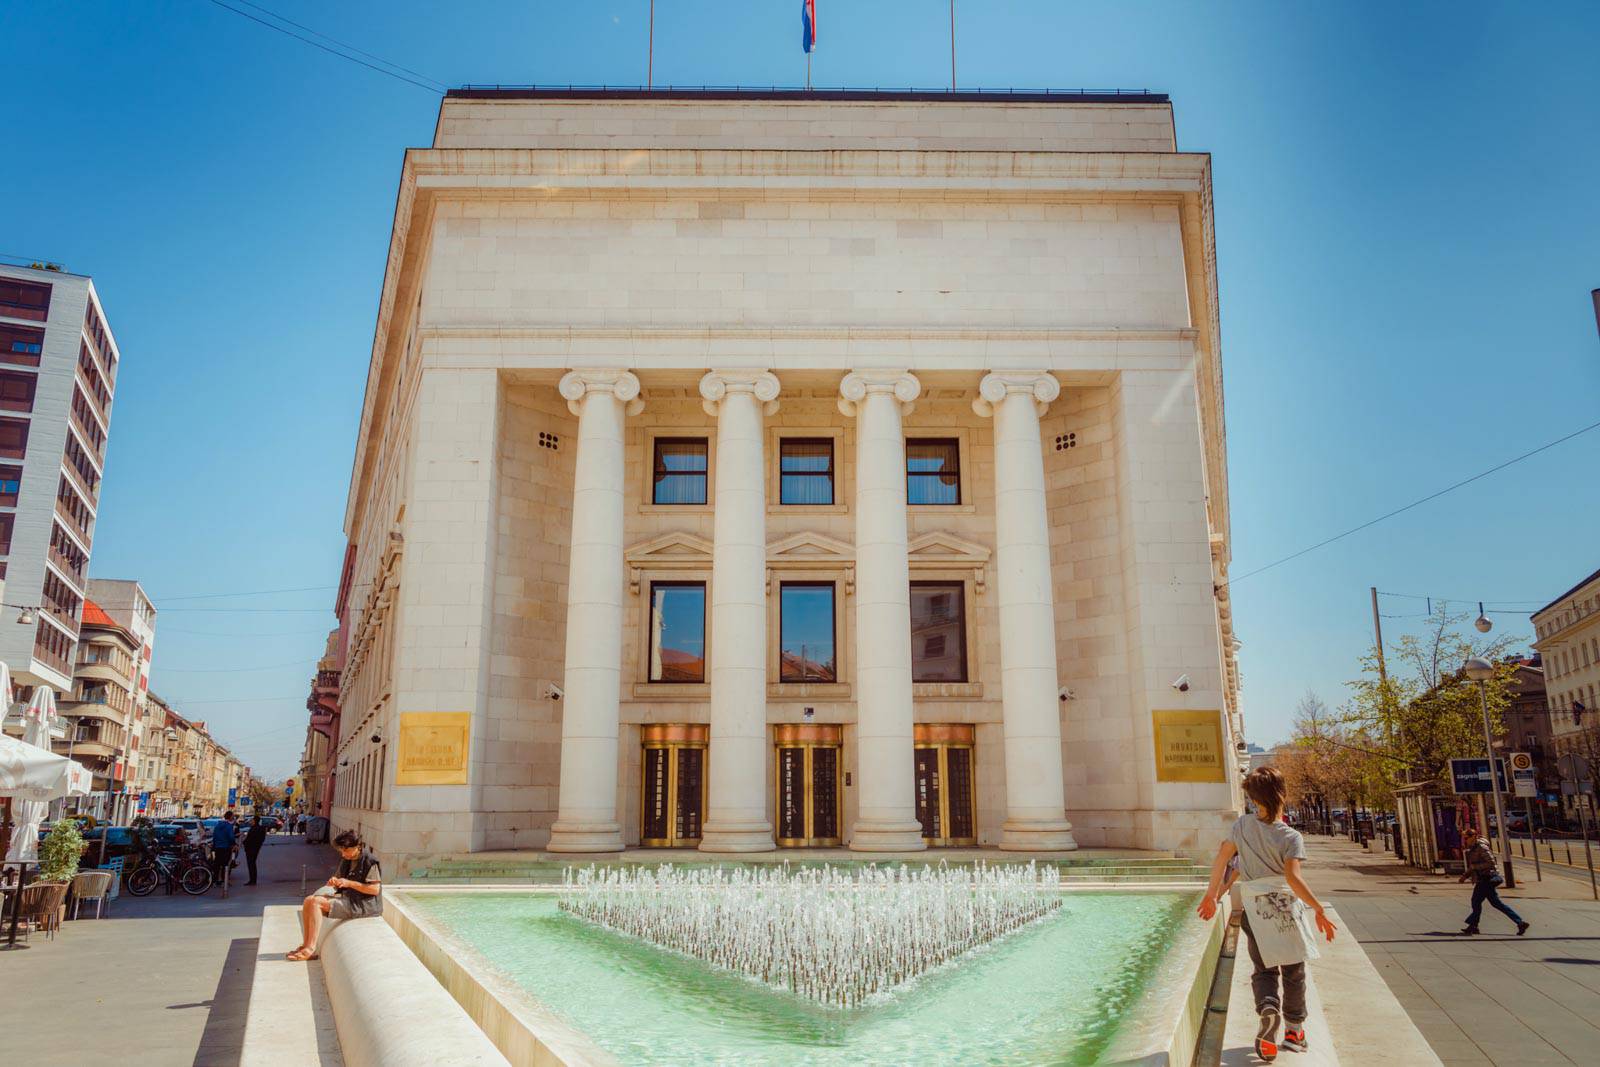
{"x": 1521, "y": 761}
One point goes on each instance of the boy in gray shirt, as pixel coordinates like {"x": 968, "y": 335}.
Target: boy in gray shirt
{"x": 1266, "y": 847}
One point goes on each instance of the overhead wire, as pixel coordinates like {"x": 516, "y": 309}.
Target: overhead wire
{"x": 436, "y": 88}
{"x": 1414, "y": 504}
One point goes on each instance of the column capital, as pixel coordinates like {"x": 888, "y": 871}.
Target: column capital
{"x": 859, "y": 384}
{"x": 997, "y": 385}
{"x": 622, "y": 384}
{"x": 762, "y": 384}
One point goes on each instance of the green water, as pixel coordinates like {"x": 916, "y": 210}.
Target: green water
{"x": 1055, "y": 992}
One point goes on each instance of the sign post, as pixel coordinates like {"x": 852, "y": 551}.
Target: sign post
{"x": 1576, "y": 781}
{"x": 1527, "y": 785}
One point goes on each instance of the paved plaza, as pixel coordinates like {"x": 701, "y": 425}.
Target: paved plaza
{"x": 160, "y": 981}
{"x": 1491, "y": 999}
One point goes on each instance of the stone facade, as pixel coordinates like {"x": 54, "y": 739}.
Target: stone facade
{"x": 571, "y": 279}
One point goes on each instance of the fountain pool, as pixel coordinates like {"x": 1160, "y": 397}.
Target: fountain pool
{"x": 1091, "y": 980}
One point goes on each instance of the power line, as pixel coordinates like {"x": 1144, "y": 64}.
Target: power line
{"x": 252, "y": 592}
{"x": 342, "y": 44}
{"x": 236, "y": 670}
{"x": 1414, "y": 504}
{"x": 331, "y": 51}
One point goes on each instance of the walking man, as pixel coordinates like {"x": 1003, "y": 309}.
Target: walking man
{"x": 253, "y": 840}
{"x": 1485, "y": 869}
{"x": 222, "y": 842}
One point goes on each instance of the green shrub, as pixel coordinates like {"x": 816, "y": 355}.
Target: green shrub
{"x": 58, "y": 854}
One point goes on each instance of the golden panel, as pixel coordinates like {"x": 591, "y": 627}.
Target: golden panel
{"x": 1189, "y": 746}
{"x": 674, "y": 733}
{"x": 804, "y": 733}
{"x": 942, "y": 733}
{"x": 433, "y": 748}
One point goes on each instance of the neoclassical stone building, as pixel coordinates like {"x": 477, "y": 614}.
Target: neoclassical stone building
{"x": 756, "y": 470}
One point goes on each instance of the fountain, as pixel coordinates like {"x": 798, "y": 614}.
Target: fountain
{"x": 832, "y": 935}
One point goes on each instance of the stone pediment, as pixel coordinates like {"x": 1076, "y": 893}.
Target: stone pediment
{"x": 811, "y": 550}
{"x": 811, "y": 546}
{"x": 680, "y": 551}
{"x": 945, "y": 550}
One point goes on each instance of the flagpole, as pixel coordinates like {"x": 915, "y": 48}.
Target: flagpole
{"x": 808, "y": 70}
{"x": 952, "y": 45}
{"x": 650, "y": 62}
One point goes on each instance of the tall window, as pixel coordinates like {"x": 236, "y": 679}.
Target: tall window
{"x": 680, "y": 471}
{"x": 805, "y": 467}
{"x": 10, "y": 485}
{"x": 16, "y": 390}
{"x": 6, "y": 521}
{"x": 933, "y": 470}
{"x": 24, "y": 300}
{"x": 806, "y": 633}
{"x": 677, "y": 631}
{"x": 938, "y": 632}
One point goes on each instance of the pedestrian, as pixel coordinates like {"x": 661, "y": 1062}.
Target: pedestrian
{"x": 1481, "y": 866}
{"x": 253, "y": 840}
{"x": 1269, "y": 854}
{"x": 352, "y": 893}
{"x": 222, "y": 841}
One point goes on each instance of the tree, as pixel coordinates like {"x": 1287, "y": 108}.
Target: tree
{"x": 1427, "y": 713}
{"x": 262, "y": 795}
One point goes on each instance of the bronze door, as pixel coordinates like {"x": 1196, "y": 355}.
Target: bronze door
{"x": 672, "y": 798}
{"x": 809, "y": 794}
{"x": 944, "y": 783}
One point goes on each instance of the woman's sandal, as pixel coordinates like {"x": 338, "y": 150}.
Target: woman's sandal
{"x": 300, "y": 955}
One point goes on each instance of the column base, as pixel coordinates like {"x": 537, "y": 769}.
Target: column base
{"x": 578, "y": 837}
{"x": 887, "y": 837}
{"x": 734, "y": 837}
{"x": 1053, "y": 835}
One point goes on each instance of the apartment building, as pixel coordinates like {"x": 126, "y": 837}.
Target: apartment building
{"x": 58, "y": 373}
{"x": 1567, "y": 635}
{"x": 99, "y": 709}
{"x": 126, "y": 603}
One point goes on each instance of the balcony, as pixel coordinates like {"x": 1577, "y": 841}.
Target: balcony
{"x": 113, "y": 698}
{"x": 327, "y": 679}
{"x": 68, "y": 565}
{"x": 68, "y": 519}
{"x": 94, "y": 438}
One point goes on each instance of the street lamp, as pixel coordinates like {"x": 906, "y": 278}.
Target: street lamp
{"x": 1481, "y": 670}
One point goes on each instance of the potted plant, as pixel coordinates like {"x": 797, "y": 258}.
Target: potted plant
{"x": 59, "y": 852}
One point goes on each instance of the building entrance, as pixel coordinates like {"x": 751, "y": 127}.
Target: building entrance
{"x": 810, "y": 797}
{"x": 944, "y": 783}
{"x": 673, "y": 799}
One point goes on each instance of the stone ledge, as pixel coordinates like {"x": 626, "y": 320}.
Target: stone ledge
{"x": 289, "y": 1019}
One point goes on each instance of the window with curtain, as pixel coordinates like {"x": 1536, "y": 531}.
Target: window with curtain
{"x": 933, "y": 470}
{"x": 806, "y": 632}
{"x": 677, "y": 632}
{"x": 938, "y": 632}
{"x": 805, "y": 467}
{"x": 680, "y": 470}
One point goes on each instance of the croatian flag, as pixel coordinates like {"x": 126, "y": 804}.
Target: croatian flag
{"x": 808, "y": 26}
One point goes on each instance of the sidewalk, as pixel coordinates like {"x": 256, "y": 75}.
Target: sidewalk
{"x": 163, "y": 979}
{"x": 1491, "y": 999}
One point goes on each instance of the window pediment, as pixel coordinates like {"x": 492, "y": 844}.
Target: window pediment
{"x": 940, "y": 550}
{"x": 670, "y": 551}
{"x": 810, "y": 550}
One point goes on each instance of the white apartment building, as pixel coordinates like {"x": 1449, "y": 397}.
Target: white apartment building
{"x": 1567, "y": 635}
{"x": 58, "y": 371}
{"x": 751, "y": 470}
{"x": 126, "y": 603}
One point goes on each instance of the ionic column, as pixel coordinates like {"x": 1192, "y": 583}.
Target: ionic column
{"x": 586, "y": 817}
{"x": 886, "y": 812}
{"x": 1035, "y": 794}
{"x": 736, "y": 815}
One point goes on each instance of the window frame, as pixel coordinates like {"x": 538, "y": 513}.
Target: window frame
{"x": 963, "y": 501}
{"x": 705, "y": 627}
{"x": 843, "y": 470}
{"x": 705, "y": 475}
{"x": 831, "y": 473}
{"x": 647, "y": 464}
{"x": 959, "y": 586}
{"x": 832, "y": 585}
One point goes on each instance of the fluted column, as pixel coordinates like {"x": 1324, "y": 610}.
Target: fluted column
{"x": 736, "y": 815}
{"x": 1035, "y": 794}
{"x": 886, "y": 819}
{"x": 586, "y": 819}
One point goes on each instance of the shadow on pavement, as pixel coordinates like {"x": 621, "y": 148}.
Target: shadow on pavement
{"x": 223, "y": 1039}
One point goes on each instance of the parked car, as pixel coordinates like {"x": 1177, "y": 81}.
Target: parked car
{"x": 272, "y": 823}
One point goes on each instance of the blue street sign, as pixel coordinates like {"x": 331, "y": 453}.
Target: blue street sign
{"x": 232, "y": 797}
{"x": 1472, "y": 775}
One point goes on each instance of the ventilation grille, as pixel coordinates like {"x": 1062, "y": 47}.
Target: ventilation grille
{"x": 549, "y": 440}
{"x": 1065, "y": 441}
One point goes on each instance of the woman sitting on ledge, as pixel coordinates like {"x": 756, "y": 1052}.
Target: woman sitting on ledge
{"x": 352, "y": 893}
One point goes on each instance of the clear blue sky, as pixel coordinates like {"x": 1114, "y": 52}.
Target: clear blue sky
{"x": 1408, "y": 213}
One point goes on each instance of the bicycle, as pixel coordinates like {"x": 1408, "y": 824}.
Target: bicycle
{"x": 192, "y": 875}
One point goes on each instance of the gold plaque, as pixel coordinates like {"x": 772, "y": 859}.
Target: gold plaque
{"x": 1189, "y": 746}
{"x": 433, "y": 748}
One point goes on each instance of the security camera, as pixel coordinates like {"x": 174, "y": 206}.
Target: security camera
{"x": 376, "y": 738}
{"x": 1066, "y": 694}
{"x": 553, "y": 691}
{"x": 1182, "y": 683}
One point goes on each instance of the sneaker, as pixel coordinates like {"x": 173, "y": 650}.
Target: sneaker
{"x": 1267, "y": 1032}
{"x": 1522, "y": 928}
{"x": 1294, "y": 1038}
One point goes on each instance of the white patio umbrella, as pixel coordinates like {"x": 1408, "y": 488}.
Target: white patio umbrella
{"x": 32, "y": 774}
